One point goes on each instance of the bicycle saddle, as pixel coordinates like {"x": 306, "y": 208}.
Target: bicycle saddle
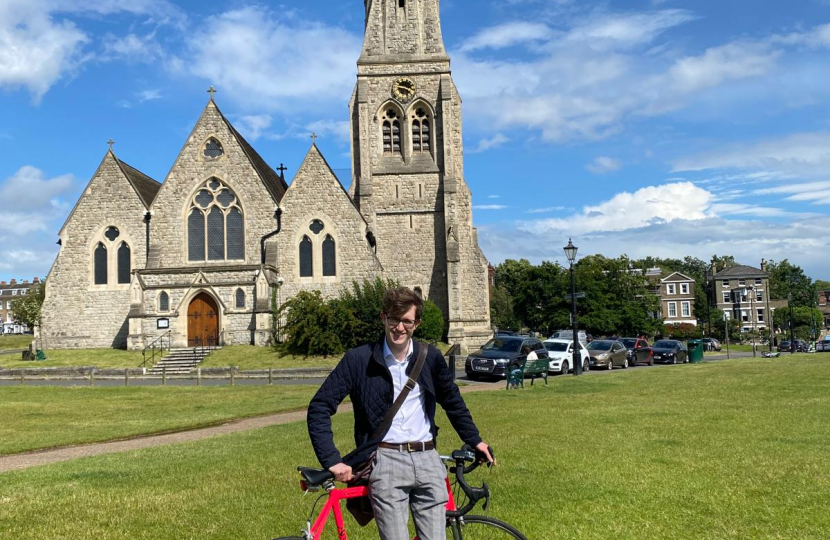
{"x": 315, "y": 477}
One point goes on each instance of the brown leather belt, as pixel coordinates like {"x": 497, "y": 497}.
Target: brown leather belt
{"x": 409, "y": 446}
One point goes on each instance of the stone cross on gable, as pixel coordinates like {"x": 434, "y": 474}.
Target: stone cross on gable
{"x": 314, "y": 138}
{"x": 211, "y": 91}
{"x": 282, "y": 168}
{"x": 110, "y": 143}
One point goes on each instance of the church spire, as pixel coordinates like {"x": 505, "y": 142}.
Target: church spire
{"x": 402, "y": 29}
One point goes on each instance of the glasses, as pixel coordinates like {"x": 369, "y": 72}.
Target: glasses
{"x": 393, "y": 322}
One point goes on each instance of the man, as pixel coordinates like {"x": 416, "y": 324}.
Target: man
{"x": 408, "y": 471}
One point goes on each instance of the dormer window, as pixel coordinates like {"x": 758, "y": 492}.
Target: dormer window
{"x": 213, "y": 149}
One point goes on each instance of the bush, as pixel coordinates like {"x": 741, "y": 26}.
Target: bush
{"x": 432, "y": 323}
{"x": 365, "y": 303}
{"x": 314, "y": 326}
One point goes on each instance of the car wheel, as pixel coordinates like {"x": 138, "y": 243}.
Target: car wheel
{"x": 625, "y": 363}
{"x": 564, "y": 370}
{"x": 651, "y": 362}
{"x": 586, "y": 366}
{"x": 674, "y": 360}
{"x": 610, "y": 365}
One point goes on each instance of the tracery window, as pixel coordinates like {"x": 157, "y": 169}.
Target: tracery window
{"x": 306, "y": 258}
{"x": 319, "y": 247}
{"x": 100, "y": 259}
{"x": 213, "y": 148}
{"x": 421, "y": 131}
{"x": 391, "y": 133}
{"x": 111, "y": 258}
{"x": 124, "y": 263}
{"x": 329, "y": 257}
{"x": 215, "y": 224}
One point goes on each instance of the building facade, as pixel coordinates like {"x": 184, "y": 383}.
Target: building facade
{"x": 677, "y": 299}
{"x": 205, "y": 255}
{"x": 824, "y": 306}
{"x": 742, "y": 293}
{"x": 9, "y": 292}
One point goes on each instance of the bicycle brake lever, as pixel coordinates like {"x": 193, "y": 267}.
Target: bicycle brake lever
{"x": 487, "y": 498}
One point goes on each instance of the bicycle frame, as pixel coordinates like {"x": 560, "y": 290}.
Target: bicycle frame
{"x": 333, "y": 506}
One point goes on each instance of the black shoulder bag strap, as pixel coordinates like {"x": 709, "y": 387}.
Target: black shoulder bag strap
{"x": 384, "y": 426}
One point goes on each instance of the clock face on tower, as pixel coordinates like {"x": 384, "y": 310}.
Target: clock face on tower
{"x": 403, "y": 89}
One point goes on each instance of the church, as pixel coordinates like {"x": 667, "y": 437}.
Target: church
{"x": 196, "y": 257}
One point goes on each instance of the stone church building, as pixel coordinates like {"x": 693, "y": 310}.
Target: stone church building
{"x": 198, "y": 255}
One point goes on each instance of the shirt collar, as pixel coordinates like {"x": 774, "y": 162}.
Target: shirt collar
{"x": 387, "y": 352}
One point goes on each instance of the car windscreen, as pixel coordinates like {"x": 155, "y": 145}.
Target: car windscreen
{"x": 600, "y": 345}
{"x": 629, "y": 343}
{"x": 665, "y": 345}
{"x": 504, "y": 345}
{"x": 555, "y": 346}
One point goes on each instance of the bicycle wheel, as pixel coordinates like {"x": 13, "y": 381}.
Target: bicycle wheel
{"x": 484, "y": 528}
{"x": 290, "y": 538}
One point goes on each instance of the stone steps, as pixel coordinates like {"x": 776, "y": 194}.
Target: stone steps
{"x": 180, "y": 361}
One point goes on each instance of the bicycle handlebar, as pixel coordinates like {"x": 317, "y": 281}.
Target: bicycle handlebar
{"x": 474, "y": 494}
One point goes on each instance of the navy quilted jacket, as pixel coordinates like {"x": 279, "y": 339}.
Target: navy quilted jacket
{"x": 363, "y": 376}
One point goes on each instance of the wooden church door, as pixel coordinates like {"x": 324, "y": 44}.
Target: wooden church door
{"x": 202, "y": 321}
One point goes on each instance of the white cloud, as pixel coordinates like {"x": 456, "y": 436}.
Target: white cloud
{"x": 252, "y": 127}
{"x": 132, "y": 47}
{"x": 546, "y": 210}
{"x": 495, "y": 141}
{"x": 29, "y": 188}
{"x": 489, "y": 207}
{"x": 506, "y": 35}
{"x": 254, "y": 54}
{"x": 604, "y": 164}
{"x": 493, "y": 196}
{"x": 719, "y": 64}
{"x": 329, "y": 128}
{"x": 614, "y": 30}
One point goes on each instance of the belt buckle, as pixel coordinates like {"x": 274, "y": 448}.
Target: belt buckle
{"x": 410, "y": 448}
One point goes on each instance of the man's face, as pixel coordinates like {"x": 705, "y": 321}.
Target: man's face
{"x": 399, "y": 329}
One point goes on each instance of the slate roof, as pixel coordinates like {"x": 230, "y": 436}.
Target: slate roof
{"x": 274, "y": 183}
{"x": 741, "y": 271}
{"x": 144, "y": 186}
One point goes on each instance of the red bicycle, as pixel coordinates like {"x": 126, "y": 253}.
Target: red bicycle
{"x": 462, "y": 498}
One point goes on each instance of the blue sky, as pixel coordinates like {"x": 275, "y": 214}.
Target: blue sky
{"x": 652, "y": 127}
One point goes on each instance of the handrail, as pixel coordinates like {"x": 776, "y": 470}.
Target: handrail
{"x": 152, "y": 346}
{"x": 209, "y": 343}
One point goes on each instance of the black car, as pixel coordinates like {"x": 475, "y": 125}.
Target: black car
{"x": 670, "y": 351}
{"x": 639, "y": 351}
{"x": 800, "y": 346}
{"x": 493, "y": 359}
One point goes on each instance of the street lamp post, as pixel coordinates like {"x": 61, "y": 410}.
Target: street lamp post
{"x": 792, "y": 324}
{"x": 570, "y": 253}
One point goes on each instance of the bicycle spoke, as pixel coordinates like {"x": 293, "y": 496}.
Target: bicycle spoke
{"x": 484, "y": 528}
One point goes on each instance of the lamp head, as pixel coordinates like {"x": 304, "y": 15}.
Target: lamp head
{"x": 570, "y": 251}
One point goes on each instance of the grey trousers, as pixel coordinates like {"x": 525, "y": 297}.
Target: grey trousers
{"x": 401, "y": 481}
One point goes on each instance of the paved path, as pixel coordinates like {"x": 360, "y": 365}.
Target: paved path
{"x": 46, "y": 457}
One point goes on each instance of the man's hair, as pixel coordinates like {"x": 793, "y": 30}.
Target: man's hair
{"x": 396, "y": 302}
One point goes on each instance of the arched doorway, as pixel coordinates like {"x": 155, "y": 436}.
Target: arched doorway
{"x": 202, "y": 322}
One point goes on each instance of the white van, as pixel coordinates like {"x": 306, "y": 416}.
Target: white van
{"x": 569, "y": 335}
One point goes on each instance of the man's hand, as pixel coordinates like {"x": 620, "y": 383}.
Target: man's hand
{"x": 484, "y": 449}
{"x": 341, "y": 472}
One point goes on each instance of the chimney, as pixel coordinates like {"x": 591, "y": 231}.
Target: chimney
{"x": 13, "y": 281}
{"x": 763, "y": 265}
{"x": 25, "y": 282}
{"x": 2, "y": 283}
{"x": 36, "y": 280}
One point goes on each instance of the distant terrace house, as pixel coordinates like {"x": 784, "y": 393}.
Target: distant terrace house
{"x": 677, "y": 299}
{"x": 742, "y": 292}
{"x": 824, "y": 306}
{"x": 8, "y": 292}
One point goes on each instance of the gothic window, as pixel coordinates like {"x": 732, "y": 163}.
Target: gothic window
{"x": 124, "y": 263}
{"x": 316, "y": 226}
{"x": 306, "y": 258}
{"x": 112, "y": 233}
{"x": 421, "y": 132}
{"x": 402, "y": 3}
{"x": 391, "y": 133}
{"x": 164, "y": 301}
{"x": 215, "y": 224}
{"x": 240, "y": 298}
{"x": 329, "y": 257}
{"x": 213, "y": 148}
{"x": 100, "y": 259}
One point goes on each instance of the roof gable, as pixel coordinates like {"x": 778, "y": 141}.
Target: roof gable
{"x": 676, "y": 276}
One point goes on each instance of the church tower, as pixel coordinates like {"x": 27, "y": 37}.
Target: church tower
{"x": 408, "y": 170}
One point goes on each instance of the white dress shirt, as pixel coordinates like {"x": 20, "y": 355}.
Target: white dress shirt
{"x": 410, "y": 423}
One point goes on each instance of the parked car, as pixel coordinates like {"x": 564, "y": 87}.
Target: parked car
{"x": 823, "y": 345}
{"x": 607, "y": 353}
{"x": 494, "y": 357}
{"x": 560, "y": 352}
{"x": 670, "y": 351}
{"x": 569, "y": 335}
{"x": 639, "y": 351}
{"x": 711, "y": 344}
{"x": 800, "y": 345}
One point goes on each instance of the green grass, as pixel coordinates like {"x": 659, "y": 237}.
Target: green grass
{"x": 44, "y": 417}
{"x": 731, "y": 450}
{"x": 15, "y": 342}
{"x": 102, "y": 358}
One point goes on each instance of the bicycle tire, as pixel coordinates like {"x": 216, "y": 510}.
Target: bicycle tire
{"x": 289, "y": 538}
{"x": 484, "y": 528}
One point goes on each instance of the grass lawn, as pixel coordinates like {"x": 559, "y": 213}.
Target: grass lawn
{"x": 15, "y": 342}
{"x": 720, "y": 451}
{"x": 43, "y": 417}
{"x": 102, "y": 358}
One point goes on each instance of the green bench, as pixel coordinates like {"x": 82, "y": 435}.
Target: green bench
{"x": 532, "y": 368}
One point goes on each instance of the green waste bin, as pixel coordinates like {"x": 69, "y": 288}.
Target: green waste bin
{"x": 695, "y": 351}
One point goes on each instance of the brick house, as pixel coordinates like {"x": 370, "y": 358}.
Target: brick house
{"x": 824, "y": 306}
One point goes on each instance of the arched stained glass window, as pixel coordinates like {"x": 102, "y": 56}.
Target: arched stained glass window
{"x": 216, "y": 224}
{"x": 391, "y": 133}
{"x": 124, "y": 263}
{"x": 421, "y": 135}
{"x": 329, "y": 257}
{"x": 240, "y": 298}
{"x": 100, "y": 263}
{"x": 164, "y": 301}
{"x": 306, "y": 258}
{"x": 213, "y": 148}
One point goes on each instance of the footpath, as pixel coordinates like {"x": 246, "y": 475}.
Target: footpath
{"x": 45, "y": 457}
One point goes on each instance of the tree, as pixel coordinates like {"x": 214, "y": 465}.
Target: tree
{"x": 26, "y": 308}
{"x": 501, "y": 310}
{"x": 787, "y": 279}
{"x": 682, "y": 331}
{"x": 431, "y": 328}
{"x": 822, "y": 285}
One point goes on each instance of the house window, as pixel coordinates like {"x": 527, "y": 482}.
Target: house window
{"x": 329, "y": 257}
{"x": 213, "y": 149}
{"x": 741, "y": 282}
{"x": 215, "y": 224}
{"x": 684, "y": 288}
{"x": 164, "y": 301}
{"x": 124, "y": 263}
{"x": 744, "y": 315}
{"x": 757, "y": 281}
{"x": 100, "y": 258}
{"x": 240, "y": 299}
{"x": 306, "y": 258}
{"x": 670, "y": 288}
{"x": 727, "y": 297}
{"x": 685, "y": 309}
{"x": 672, "y": 310}
{"x": 391, "y": 133}
{"x": 760, "y": 317}
{"x": 421, "y": 132}
{"x": 726, "y": 283}
{"x": 759, "y": 296}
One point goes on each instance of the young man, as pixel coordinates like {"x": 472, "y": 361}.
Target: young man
{"x": 408, "y": 471}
